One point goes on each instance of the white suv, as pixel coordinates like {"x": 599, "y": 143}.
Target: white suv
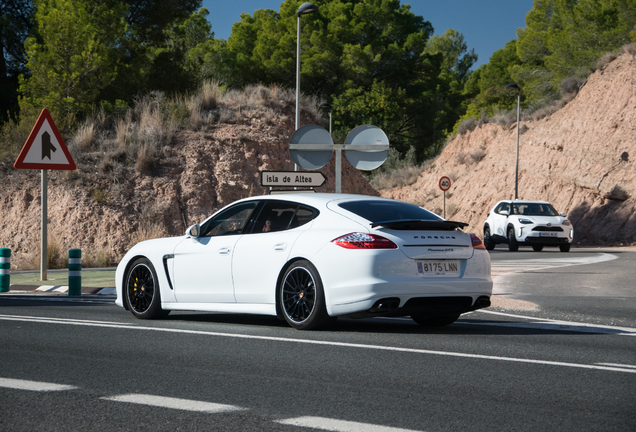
{"x": 527, "y": 223}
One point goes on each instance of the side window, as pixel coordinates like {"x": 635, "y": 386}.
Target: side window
{"x": 303, "y": 216}
{"x": 502, "y": 207}
{"x": 230, "y": 221}
{"x": 282, "y": 215}
{"x": 275, "y": 216}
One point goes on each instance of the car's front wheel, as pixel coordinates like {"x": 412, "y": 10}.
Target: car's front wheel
{"x": 537, "y": 248}
{"x": 513, "y": 244}
{"x": 565, "y": 247}
{"x": 301, "y": 298}
{"x": 141, "y": 290}
{"x": 439, "y": 321}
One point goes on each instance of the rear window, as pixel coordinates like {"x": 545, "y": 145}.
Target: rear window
{"x": 379, "y": 211}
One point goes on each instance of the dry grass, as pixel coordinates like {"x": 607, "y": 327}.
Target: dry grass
{"x": 605, "y": 59}
{"x": 505, "y": 119}
{"x": 461, "y": 158}
{"x": 403, "y": 176}
{"x": 149, "y": 232}
{"x": 629, "y": 49}
{"x": 467, "y": 125}
{"x": 99, "y": 258}
{"x": 478, "y": 155}
{"x": 56, "y": 256}
{"x": 85, "y": 135}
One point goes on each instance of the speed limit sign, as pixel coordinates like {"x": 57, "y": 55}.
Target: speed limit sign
{"x": 444, "y": 183}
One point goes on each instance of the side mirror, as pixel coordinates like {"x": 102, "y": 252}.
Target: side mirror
{"x": 193, "y": 231}
{"x": 504, "y": 212}
{"x": 564, "y": 214}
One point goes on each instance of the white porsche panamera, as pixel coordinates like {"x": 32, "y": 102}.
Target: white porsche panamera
{"x": 309, "y": 258}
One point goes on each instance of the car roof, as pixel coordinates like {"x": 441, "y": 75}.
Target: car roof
{"x": 523, "y": 202}
{"x": 316, "y": 199}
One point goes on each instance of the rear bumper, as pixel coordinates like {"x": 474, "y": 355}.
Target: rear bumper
{"x": 432, "y": 306}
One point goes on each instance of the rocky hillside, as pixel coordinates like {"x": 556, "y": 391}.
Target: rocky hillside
{"x": 107, "y": 205}
{"x": 580, "y": 158}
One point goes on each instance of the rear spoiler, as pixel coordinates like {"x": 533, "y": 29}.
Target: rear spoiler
{"x": 420, "y": 224}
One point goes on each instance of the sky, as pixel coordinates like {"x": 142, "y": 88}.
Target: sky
{"x": 487, "y": 25}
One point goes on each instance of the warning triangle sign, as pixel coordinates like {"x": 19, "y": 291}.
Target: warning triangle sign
{"x": 45, "y": 148}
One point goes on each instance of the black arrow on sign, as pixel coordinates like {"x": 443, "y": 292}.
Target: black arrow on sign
{"x": 47, "y": 146}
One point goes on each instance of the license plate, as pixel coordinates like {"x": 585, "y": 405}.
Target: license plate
{"x": 547, "y": 234}
{"x": 448, "y": 268}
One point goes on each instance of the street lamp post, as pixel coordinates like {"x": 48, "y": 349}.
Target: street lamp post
{"x": 514, "y": 86}
{"x": 304, "y": 9}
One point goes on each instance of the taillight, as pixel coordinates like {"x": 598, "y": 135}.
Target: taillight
{"x": 364, "y": 241}
{"x": 477, "y": 243}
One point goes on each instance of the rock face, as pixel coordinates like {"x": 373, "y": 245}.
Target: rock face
{"x": 581, "y": 159}
{"x": 105, "y": 212}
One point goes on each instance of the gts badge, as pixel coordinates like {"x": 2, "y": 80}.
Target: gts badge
{"x": 434, "y": 237}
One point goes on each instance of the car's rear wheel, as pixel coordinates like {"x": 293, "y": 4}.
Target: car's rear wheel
{"x": 564, "y": 247}
{"x": 141, "y": 290}
{"x": 489, "y": 243}
{"x": 301, "y": 297}
{"x": 429, "y": 321}
{"x": 513, "y": 244}
{"x": 537, "y": 248}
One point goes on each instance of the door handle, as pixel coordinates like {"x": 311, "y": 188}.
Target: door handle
{"x": 224, "y": 250}
{"x": 280, "y": 247}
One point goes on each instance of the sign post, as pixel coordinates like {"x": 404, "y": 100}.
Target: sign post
{"x": 444, "y": 185}
{"x": 44, "y": 150}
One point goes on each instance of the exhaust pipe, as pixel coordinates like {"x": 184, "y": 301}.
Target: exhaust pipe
{"x": 385, "y": 305}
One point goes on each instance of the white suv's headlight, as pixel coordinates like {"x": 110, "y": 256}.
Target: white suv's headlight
{"x": 567, "y": 222}
{"x": 525, "y": 221}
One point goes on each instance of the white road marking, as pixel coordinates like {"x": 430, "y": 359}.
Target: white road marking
{"x": 501, "y": 267}
{"x": 174, "y": 403}
{"x": 19, "y": 384}
{"x": 618, "y": 365}
{"x": 551, "y": 324}
{"x": 317, "y": 342}
{"x": 338, "y": 425}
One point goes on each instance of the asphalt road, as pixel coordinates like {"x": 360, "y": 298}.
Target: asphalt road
{"x": 567, "y": 365}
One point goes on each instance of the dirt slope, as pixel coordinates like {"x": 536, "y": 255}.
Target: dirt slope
{"x": 571, "y": 159}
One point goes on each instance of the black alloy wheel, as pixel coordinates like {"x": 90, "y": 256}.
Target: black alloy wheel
{"x": 301, "y": 297}
{"x": 489, "y": 243}
{"x": 141, "y": 290}
{"x": 513, "y": 244}
{"x": 537, "y": 248}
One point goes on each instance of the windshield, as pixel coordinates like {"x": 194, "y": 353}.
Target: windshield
{"x": 379, "y": 211}
{"x": 534, "y": 209}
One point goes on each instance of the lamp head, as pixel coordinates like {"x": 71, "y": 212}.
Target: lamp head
{"x": 307, "y": 8}
{"x": 326, "y": 106}
{"x": 513, "y": 86}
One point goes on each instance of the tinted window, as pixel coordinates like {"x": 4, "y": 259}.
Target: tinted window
{"x": 534, "y": 209}
{"x": 230, "y": 221}
{"x": 282, "y": 215}
{"x": 379, "y": 211}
